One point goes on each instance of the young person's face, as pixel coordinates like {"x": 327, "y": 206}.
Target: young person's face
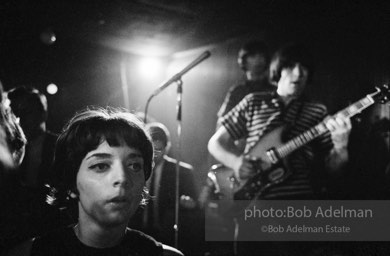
{"x": 256, "y": 64}
{"x": 110, "y": 182}
{"x": 160, "y": 150}
{"x": 292, "y": 80}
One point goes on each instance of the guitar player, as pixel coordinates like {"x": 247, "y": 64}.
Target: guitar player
{"x": 258, "y": 114}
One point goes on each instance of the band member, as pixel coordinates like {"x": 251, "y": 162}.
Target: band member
{"x": 253, "y": 59}
{"x": 259, "y": 114}
{"x": 256, "y": 115}
{"x": 102, "y": 161}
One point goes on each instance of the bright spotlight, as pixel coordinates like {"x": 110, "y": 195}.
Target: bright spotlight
{"x": 52, "y": 89}
{"x": 150, "y": 67}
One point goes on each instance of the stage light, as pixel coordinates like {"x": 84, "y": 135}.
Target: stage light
{"x": 52, "y": 89}
{"x": 150, "y": 67}
{"x": 150, "y": 50}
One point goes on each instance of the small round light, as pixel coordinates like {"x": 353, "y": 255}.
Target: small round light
{"x": 48, "y": 37}
{"x": 52, "y": 89}
{"x": 53, "y": 38}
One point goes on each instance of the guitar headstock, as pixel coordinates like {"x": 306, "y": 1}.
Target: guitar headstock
{"x": 382, "y": 94}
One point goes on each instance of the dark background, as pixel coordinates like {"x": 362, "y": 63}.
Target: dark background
{"x": 349, "y": 39}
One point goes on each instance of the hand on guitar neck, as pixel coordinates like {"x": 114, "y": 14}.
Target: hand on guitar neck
{"x": 340, "y": 128}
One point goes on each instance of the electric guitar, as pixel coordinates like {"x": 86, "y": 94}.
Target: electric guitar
{"x": 271, "y": 153}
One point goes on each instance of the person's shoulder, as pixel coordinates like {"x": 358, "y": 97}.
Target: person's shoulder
{"x": 248, "y": 87}
{"x": 47, "y": 244}
{"x": 141, "y": 237}
{"x": 237, "y": 87}
{"x": 260, "y": 96}
{"x": 146, "y": 245}
{"x": 150, "y": 245}
{"x": 316, "y": 105}
{"x": 53, "y": 240}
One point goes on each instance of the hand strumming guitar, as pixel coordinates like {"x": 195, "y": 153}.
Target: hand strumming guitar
{"x": 245, "y": 167}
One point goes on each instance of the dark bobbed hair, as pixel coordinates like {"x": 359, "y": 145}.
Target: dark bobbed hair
{"x": 251, "y": 48}
{"x": 84, "y": 133}
{"x": 24, "y": 97}
{"x": 287, "y": 57}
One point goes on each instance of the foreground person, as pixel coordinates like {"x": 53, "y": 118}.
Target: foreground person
{"x": 102, "y": 160}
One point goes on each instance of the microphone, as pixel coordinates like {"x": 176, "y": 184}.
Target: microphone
{"x": 178, "y": 76}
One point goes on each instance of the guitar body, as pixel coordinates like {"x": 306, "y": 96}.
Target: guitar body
{"x": 271, "y": 169}
{"x": 270, "y": 140}
{"x": 229, "y": 188}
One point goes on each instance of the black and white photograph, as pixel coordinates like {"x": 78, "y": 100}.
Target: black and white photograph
{"x": 194, "y": 127}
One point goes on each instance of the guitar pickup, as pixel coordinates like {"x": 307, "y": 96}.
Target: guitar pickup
{"x": 273, "y": 155}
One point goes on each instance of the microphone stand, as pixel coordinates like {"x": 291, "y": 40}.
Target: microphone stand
{"x": 177, "y": 79}
{"x": 177, "y": 194}
{"x": 179, "y": 98}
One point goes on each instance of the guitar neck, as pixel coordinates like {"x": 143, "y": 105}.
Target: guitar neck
{"x": 304, "y": 138}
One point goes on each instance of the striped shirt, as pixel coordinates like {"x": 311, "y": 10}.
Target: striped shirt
{"x": 237, "y": 93}
{"x": 260, "y": 113}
